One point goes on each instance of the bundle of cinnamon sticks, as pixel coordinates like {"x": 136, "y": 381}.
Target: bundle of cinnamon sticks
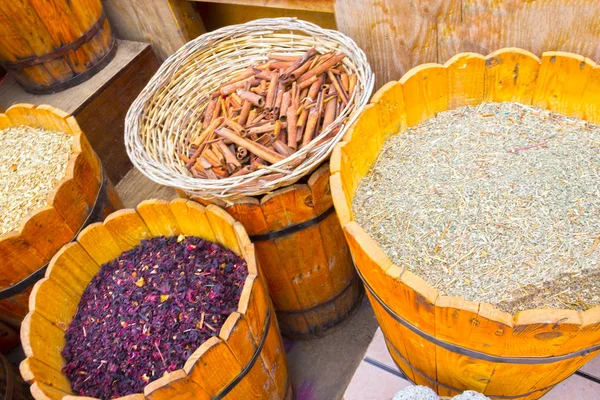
{"x": 267, "y": 112}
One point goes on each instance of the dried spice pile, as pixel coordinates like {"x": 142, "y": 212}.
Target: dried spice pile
{"x": 267, "y": 112}
{"x": 32, "y": 162}
{"x": 147, "y": 311}
{"x": 497, "y": 203}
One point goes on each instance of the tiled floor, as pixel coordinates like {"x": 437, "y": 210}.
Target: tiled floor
{"x": 379, "y": 382}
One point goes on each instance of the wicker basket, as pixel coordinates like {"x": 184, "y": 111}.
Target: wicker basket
{"x": 169, "y": 107}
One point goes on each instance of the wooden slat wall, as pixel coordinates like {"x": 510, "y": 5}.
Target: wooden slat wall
{"x": 167, "y": 24}
{"x": 400, "y": 34}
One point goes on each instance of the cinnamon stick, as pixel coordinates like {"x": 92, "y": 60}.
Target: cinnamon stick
{"x": 285, "y": 103}
{"x": 305, "y": 58}
{"x": 271, "y": 93}
{"x": 338, "y": 87}
{"x": 230, "y": 158}
{"x": 255, "y": 148}
{"x": 352, "y": 84}
{"x": 246, "y": 105}
{"x": 319, "y": 69}
{"x": 251, "y": 97}
{"x": 282, "y": 149}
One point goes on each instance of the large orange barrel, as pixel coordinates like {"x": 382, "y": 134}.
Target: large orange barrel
{"x": 449, "y": 343}
{"x": 49, "y": 46}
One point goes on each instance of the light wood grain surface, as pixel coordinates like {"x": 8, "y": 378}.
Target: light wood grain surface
{"x": 400, "y": 34}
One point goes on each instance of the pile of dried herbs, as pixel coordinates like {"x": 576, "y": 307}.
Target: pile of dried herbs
{"x": 497, "y": 203}
{"x": 32, "y": 163}
{"x": 147, "y": 311}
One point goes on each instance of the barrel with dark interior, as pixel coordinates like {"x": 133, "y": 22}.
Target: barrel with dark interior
{"x": 49, "y": 46}
{"x": 448, "y": 343}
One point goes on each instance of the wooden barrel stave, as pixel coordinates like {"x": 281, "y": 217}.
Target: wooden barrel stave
{"x": 560, "y": 82}
{"x": 309, "y": 273}
{"x": 214, "y": 365}
{"x": 37, "y": 28}
{"x": 31, "y": 246}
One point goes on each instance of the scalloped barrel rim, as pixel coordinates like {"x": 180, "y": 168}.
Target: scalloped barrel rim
{"x": 55, "y": 298}
{"x": 509, "y": 74}
{"x": 28, "y": 248}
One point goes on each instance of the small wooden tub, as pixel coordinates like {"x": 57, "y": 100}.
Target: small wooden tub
{"x": 247, "y": 358}
{"x": 448, "y": 343}
{"x": 51, "y": 46}
{"x": 302, "y": 251}
{"x": 85, "y": 195}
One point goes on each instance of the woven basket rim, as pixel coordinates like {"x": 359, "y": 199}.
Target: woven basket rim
{"x": 254, "y": 183}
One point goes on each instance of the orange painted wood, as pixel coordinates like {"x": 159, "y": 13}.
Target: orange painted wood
{"x": 216, "y": 362}
{"x": 36, "y": 28}
{"x": 561, "y": 82}
{"x": 310, "y": 274}
{"x": 45, "y": 230}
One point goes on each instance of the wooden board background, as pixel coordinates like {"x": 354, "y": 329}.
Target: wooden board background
{"x": 400, "y": 34}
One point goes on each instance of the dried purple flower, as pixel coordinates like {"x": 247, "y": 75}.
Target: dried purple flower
{"x": 147, "y": 311}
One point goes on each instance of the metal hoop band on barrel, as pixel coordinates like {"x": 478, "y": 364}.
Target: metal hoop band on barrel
{"x": 418, "y": 371}
{"x": 252, "y": 361}
{"x": 469, "y": 352}
{"x": 59, "y": 52}
{"x": 288, "y": 230}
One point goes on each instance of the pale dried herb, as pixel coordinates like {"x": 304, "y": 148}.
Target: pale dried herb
{"x": 147, "y": 311}
{"x": 497, "y": 203}
{"x": 32, "y": 162}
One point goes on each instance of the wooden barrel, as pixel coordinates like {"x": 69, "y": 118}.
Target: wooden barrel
{"x": 49, "y": 46}
{"x": 304, "y": 256}
{"x": 246, "y": 360}
{"x": 448, "y": 343}
{"x": 84, "y": 195}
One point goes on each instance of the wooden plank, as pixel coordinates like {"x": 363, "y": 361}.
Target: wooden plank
{"x": 72, "y": 269}
{"x": 399, "y": 35}
{"x": 52, "y": 302}
{"x": 455, "y": 319}
{"x": 258, "y": 383}
{"x": 226, "y": 14}
{"x": 396, "y": 35}
{"x": 511, "y": 75}
{"x": 222, "y": 225}
{"x": 390, "y": 109}
{"x": 537, "y": 333}
{"x": 466, "y": 73}
{"x": 425, "y": 91}
{"x": 325, "y": 6}
{"x": 561, "y": 82}
{"x": 127, "y": 229}
{"x": 42, "y": 340}
{"x": 192, "y": 219}
{"x": 159, "y": 218}
{"x": 99, "y": 243}
{"x": 364, "y": 137}
{"x": 249, "y": 213}
{"x": 36, "y": 231}
{"x": 590, "y": 98}
{"x": 32, "y": 368}
{"x": 167, "y": 24}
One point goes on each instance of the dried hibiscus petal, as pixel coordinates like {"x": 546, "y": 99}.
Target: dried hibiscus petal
{"x": 146, "y": 312}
